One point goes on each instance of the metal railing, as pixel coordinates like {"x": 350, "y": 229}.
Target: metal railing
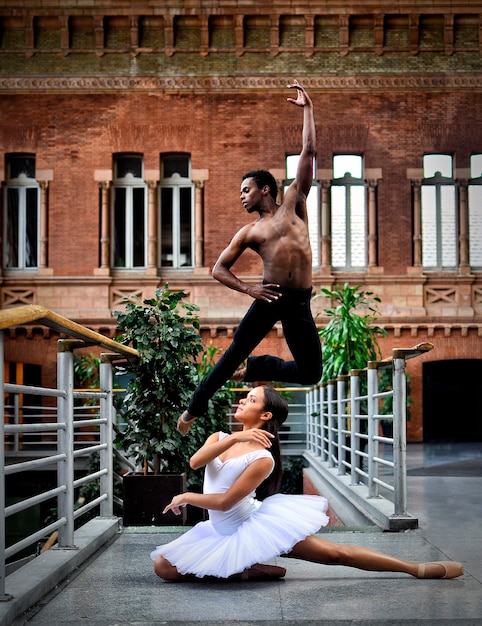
{"x": 344, "y": 433}
{"x": 335, "y": 426}
{"x": 63, "y": 453}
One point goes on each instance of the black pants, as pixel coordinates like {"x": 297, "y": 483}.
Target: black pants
{"x": 293, "y": 310}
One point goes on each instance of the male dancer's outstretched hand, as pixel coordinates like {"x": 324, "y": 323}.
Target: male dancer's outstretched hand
{"x": 303, "y": 99}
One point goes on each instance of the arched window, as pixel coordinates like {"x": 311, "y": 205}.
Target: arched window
{"x": 439, "y": 213}
{"x": 475, "y": 211}
{"x": 21, "y": 218}
{"x": 312, "y": 205}
{"x": 348, "y": 214}
{"x": 129, "y": 212}
{"x": 176, "y": 210}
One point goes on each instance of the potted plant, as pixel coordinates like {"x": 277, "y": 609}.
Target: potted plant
{"x": 350, "y": 339}
{"x": 165, "y": 332}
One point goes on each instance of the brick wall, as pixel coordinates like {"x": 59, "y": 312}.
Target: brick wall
{"x": 78, "y": 84}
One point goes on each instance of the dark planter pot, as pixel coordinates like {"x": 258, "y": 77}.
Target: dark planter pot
{"x": 145, "y": 497}
{"x": 195, "y": 515}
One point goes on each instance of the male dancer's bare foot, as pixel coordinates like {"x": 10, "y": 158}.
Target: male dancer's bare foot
{"x": 239, "y": 375}
{"x": 185, "y": 422}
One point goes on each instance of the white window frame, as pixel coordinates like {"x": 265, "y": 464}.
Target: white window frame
{"x": 344, "y": 166}
{"x": 439, "y": 214}
{"x": 22, "y": 183}
{"x": 474, "y": 199}
{"x": 129, "y": 183}
{"x": 176, "y": 183}
{"x": 312, "y": 206}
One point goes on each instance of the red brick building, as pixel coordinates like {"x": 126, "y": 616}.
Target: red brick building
{"x": 125, "y": 129}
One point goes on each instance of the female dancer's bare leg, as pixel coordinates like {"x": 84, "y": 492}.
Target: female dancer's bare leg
{"x": 318, "y": 550}
{"x": 165, "y": 570}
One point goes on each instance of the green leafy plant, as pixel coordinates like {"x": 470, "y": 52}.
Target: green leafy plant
{"x": 212, "y": 421}
{"x": 165, "y": 332}
{"x": 350, "y": 339}
{"x": 86, "y": 370}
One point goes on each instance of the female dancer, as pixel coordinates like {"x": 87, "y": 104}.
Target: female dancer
{"x": 249, "y": 522}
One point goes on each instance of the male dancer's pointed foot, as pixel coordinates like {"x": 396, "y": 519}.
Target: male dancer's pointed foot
{"x": 185, "y": 422}
{"x": 239, "y": 375}
{"x": 444, "y": 569}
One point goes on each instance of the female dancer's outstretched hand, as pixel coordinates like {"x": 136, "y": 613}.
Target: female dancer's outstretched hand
{"x": 176, "y": 504}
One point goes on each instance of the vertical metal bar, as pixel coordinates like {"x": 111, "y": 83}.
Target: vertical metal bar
{"x": 319, "y": 422}
{"x": 65, "y": 413}
{"x": 372, "y": 380}
{"x": 309, "y": 420}
{"x": 16, "y": 421}
{"x": 331, "y": 443}
{"x": 106, "y": 435}
{"x": 3, "y": 595}
{"x": 341, "y": 407}
{"x": 399, "y": 436}
{"x": 355, "y": 424}
{"x": 323, "y": 423}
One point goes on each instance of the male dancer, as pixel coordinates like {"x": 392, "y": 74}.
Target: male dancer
{"x": 280, "y": 236}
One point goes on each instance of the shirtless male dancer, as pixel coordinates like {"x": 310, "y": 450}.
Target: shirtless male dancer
{"x": 280, "y": 236}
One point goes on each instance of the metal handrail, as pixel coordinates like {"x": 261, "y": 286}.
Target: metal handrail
{"x": 344, "y": 437}
{"x": 331, "y": 426}
{"x": 30, "y": 313}
{"x": 63, "y": 454}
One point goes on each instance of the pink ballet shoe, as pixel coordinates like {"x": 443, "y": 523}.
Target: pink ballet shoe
{"x": 259, "y": 571}
{"x": 452, "y": 569}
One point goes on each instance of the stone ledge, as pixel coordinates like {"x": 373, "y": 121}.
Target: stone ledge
{"x": 351, "y": 502}
{"x": 29, "y": 584}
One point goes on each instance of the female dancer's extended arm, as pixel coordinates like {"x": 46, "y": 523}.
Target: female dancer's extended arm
{"x": 214, "y": 446}
{"x": 245, "y": 484}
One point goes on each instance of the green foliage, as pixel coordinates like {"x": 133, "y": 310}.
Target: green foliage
{"x": 292, "y": 478}
{"x": 86, "y": 370}
{"x": 212, "y": 421}
{"x": 350, "y": 339}
{"x": 385, "y": 383}
{"x": 165, "y": 332}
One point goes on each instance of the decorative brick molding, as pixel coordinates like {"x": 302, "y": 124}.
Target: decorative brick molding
{"x": 117, "y": 296}
{"x": 15, "y": 296}
{"x": 440, "y": 296}
{"x": 370, "y": 82}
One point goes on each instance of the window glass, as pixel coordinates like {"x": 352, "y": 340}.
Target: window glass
{"x": 358, "y": 227}
{"x": 185, "y": 226}
{"x": 433, "y": 163}
{"x": 338, "y": 226}
{"x": 167, "y": 257}
{"x": 175, "y": 164}
{"x": 139, "y": 226}
{"x": 21, "y": 211}
{"x": 347, "y": 164}
{"x": 120, "y": 227}
{"x": 128, "y": 166}
{"x": 439, "y": 214}
{"x": 129, "y": 212}
{"x": 348, "y": 213}
{"x": 31, "y": 227}
{"x": 176, "y": 212}
{"x": 476, "y": 166}
{"x": 12, "y": 227}
{"x": 475, "y": 211}
{"x": 21, "y": 165}
{"x": 312, "y": 206}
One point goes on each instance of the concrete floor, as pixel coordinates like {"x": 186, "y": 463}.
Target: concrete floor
{"x": 117, "y": 586}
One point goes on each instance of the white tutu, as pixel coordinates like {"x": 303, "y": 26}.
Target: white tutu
{"x": 272, "y": 529}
